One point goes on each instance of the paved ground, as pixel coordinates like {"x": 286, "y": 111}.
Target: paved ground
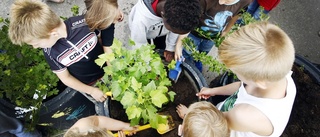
{"x": 300, "y": 19}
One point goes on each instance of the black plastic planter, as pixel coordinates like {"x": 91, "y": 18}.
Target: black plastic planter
{"x": 59, "y": 112}
{"x": 309, "y": 67}
{"x": 62, "y": 111}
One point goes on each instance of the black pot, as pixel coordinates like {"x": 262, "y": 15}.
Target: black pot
{"x": 59, "y": 112}
{"x": 62, "y": 111}
{"x": 309, "y": 67}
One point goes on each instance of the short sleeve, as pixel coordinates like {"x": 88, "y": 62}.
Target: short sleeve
{"x": 107, "y": 36}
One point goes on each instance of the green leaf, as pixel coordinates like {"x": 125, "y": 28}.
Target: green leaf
{"x": 171, "y": 95}
{"x": 135, "y": 84}
{"x": 128, "y": 99}
{"x": 158, "y": 98}
{"x": 116, "y": 47}
{"x": 151, "y": 86}
{"x": 133, "y": 112}
{"x": 100, "y": 62}
{"x": 135, "y": 121}
{"x": 116, "y": 89}
{"x": 131, "y": 42}
{"x": 140, "y": 99}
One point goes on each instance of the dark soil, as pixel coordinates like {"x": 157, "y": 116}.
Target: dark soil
{"x": 304, "y": 120}
{"x": 185, "y": 95}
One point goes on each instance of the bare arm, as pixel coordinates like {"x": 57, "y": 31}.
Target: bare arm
{"x": 229, "y": 89}
{"x": 247, "y": 118}
{"x": 229, "y": 25}
{"x": 74, "y": 83}
{"x": 103, "y": 122}
{"x": 179, "y": 46}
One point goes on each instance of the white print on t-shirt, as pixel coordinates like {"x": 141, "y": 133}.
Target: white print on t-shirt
{"x": 84, "y": 46}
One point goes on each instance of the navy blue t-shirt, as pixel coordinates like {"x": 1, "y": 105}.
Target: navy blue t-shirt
{"x": 77, "y": 52}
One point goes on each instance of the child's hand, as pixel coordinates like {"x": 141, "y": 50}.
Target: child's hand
{"x": 128, "y": 130}
{"x": 181, "y": 110}
{"x": 178, "y": 53}
{"x": 98, "y": 95}
{"x": 168, "y": 55}
{"x": 204, "y": 93}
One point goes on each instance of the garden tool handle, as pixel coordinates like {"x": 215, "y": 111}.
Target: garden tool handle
{"x": 109, "y": 93}
{"x": 140, "y": 128}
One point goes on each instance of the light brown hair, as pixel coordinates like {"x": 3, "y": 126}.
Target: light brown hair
{"x": 204, "y": 120}
{"x": 258, "y": 51}
{"x": 100, "y": 13}
{"x": 74, "y": 132}
{"x": 31, "y": 19}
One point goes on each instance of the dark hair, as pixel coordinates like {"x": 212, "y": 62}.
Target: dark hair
{"x": 182, "y": 15}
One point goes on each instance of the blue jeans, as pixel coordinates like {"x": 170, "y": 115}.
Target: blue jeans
{"x": 101, "y": 108}
{"x": 10, "y": 126}
{"x": 202, "y": 45}
{"x": 255, "y": 10}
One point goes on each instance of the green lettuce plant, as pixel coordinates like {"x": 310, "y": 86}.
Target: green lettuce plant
{"x": 138, "y": 80}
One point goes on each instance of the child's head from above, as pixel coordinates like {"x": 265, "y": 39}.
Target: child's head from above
{"x": 181, "y": 16}
{"x": 203, "y": 119}
{"x": 101, "y": 13}
{"x": 74, "y": 132}
{"x": 258, "y": 52}
{"x": 32, "y": 20}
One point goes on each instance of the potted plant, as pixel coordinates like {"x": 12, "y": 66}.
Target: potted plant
{"x": 141, "y": 89}
{"x": 138, "y": 79}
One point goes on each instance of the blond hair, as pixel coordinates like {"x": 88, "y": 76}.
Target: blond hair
{"x": 258, "y": 51}
{"x": 31, "y": 19}
{"x": 74, "y": 132}
{"x": 204, "y": 120}
{"x": 100, "y": 13}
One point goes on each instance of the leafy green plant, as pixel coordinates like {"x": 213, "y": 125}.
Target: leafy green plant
{"x": 25, "y": 79}
{"x": 138, "y": 79}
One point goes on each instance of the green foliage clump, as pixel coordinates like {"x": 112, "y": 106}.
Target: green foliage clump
{"x": 213, "y": 64}
{"x": 138, "y": 79}
{"x": 25, "y": 78}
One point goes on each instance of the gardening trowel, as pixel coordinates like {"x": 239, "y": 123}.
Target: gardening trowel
{"x": 162, "y": 128}
{"x": 175, "y": 72}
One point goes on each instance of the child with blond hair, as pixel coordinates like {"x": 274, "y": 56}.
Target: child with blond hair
{"x": 98, "y": 126}
{"x": 202, "y": 119}
{"x": 261, "y": 55}
{"x": 69, "y": 46}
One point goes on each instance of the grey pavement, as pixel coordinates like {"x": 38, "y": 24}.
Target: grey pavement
{"x": 300, "y": 19}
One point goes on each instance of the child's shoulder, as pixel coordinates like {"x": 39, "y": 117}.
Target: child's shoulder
{"x": 75, "y": 20}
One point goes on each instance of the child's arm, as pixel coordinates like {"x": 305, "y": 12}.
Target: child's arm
{"x": 229, "y": 89}
{"x": 113, "y": 124}
{"x": 103, "y": 123}
{"x": 179, "y": 46}
{"x": 171, "y": 40}
{"x": 229, "y": 25}
{"x": 74, "y": 83}
{"x": 247, "y": 118}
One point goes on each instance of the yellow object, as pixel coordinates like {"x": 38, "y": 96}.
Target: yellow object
{"x": 163, "y": 128}
{"x": 108, "y": 94}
